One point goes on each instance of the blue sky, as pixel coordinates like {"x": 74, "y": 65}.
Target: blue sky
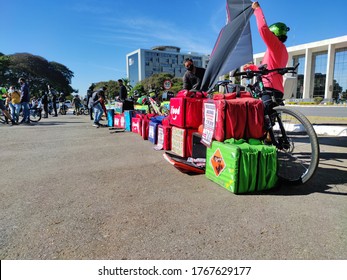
{"x": 92, "y": 37}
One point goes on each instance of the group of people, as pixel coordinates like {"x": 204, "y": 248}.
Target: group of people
{"x": 96, "y": 102}
{"x": 276, "y": 56}
{"x": 15, "y": 100}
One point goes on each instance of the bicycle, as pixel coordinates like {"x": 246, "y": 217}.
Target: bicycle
{"x": 83, "y": 110}
{"x": 35, "y": 114}
{"x": 287, "y": 129}
{"x": 62, "y": 108}
{"x": 3, "y": 119}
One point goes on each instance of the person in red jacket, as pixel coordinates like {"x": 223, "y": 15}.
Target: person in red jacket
{"x": 276, "y": 55}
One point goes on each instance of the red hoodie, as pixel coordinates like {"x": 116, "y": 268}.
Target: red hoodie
{"x": 276, "y": 55}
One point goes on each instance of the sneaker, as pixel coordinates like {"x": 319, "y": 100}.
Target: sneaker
{"x": 96, "y": 125}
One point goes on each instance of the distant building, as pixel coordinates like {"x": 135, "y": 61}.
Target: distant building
{"x": 322, "y": 71}
{"x": 143, "y": 63}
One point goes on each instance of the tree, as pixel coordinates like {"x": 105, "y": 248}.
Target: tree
{"x": 4, "y": 68}
{"x": 156, "y": 82}
{"x": 37, "y": 71}
{"x": 126, "y": 83}
{"x": 112, "y": 88}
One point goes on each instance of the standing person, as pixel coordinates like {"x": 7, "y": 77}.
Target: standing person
{"x": 276, "y": 55}
{"x": 53, "y": 93}
{"x": 193, "y": 77}
{"x": 90, "y": 103}
{"x": 44, "y": 100}
{"x": 14, "y": 104}
{"x": 103, "y": 100}
{"x": 24, "y": 100}
{"x": 123, "y": 93}
{"x": 96, "y": 103}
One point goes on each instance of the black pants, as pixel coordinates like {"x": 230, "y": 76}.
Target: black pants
{"x": 271, "y": 99}
{"x": 45, "y": 108}
{"x": 55, "y": 109}
{"x": 91, "y": 114}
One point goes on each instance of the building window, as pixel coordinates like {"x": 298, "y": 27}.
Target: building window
{"x": 340, "y": 74}
{"x": 300, "y": 74}
{"x": 319, "y": 65}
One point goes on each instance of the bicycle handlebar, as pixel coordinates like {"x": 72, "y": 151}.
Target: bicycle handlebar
{"x": 263, "y": 71}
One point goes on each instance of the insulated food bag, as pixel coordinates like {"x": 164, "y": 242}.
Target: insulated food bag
{"x": 242, "y": 167}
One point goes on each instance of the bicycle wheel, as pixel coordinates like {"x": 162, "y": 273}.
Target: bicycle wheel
{"x": 2, "y": 117}
{"x": 298, "y": 149}
{"x": 62, "y": 111}
{"x": 35, "y": 115}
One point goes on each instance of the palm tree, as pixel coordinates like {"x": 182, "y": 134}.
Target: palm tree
{"x": 127, "y": 84}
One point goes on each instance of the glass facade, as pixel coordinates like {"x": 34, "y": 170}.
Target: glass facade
{"x": 300, "y": 74}
{"x": 133, "y": 62}
{"x": 320, "y": 61}
{"x": 340, "y": 74}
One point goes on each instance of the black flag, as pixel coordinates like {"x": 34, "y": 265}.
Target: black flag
{"x": 233, "y": 47}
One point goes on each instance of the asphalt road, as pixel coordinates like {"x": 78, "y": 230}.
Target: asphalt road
{"x": 339, "y": 111}
{"x": 72, "y": 191}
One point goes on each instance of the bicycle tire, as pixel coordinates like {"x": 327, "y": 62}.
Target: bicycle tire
{"x": 35, "y": 115}
{"x": 298, "y": 162}
{"x": 2, "y": 117}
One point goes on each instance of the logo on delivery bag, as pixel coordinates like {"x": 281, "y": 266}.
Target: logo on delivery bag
{"x": 217, "y": 162}
{"x": 174, "y": 112}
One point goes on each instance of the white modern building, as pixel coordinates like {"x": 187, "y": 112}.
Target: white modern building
{"x": 322, "y": 71}
{"x": 143, "y": 63}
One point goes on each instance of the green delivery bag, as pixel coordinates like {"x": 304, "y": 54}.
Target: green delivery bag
{"x": 267, "y": 165}
{"x": 232, "y": 165}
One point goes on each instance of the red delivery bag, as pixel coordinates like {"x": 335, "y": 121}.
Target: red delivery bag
{"x": 119, "y": 121}
{"x": 186, "y": 112}
{"x": 255, "y": 119}
{"x": 136, "y": 125}
{"x": 235, "y": 118}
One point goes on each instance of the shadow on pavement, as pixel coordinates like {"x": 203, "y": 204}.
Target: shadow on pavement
{"x": 50, "y": 123}
{"x": 340, "y": 141}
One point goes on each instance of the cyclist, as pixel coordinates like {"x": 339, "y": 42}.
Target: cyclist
{"x": 76, "y": 101}
{"x": 61, "y": 100}
{"x": 276, "y": 55}
{"x": 3, "y": 96}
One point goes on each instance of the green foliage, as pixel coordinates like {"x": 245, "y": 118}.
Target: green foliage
{"x": 127, "y": 84}
{"x": 37, "y": 71}
{"x": 318, "y": 100}
{"x": 307, "y": 103}
{"x": 139, "y": 88}
{"x": 112, "y": 88}
{"x": 156, "y": 82}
